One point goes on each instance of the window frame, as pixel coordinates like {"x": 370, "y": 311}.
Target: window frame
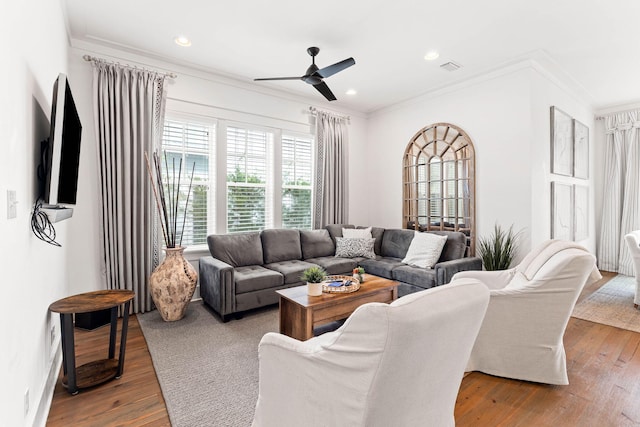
{"x": 217, "y": 196}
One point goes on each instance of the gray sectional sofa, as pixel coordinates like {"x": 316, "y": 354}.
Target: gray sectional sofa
{"x": 245, "y": 269}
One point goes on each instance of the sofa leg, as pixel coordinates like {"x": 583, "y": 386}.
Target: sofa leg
{"x": 225, "y": 317}
{"x": 238, "y": 316}
{"x": 635, "y": 305}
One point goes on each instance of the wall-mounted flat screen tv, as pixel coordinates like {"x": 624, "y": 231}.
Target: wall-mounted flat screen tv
{"x": 62, "y": 155}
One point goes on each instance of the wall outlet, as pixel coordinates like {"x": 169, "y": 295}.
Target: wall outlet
{"x": 26, "y": 402}
{"x": 12, "y": 210}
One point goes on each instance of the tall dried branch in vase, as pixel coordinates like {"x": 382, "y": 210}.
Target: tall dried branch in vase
{"x": 173, "y": 282}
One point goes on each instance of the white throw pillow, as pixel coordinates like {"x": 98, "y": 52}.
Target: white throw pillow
{"x": 357, "y": 233}
{"x": 425, "y": 249}
{"x": 351, "y": 248}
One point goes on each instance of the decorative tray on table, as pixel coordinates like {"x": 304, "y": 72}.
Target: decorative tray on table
{"x": 340, "y": 284}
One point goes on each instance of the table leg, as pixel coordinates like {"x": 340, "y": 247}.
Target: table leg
{"x": 123, "y": 338}
{"x": 307, "y": 324}
{"x": 68, "y": 351}
{"x": 112, "y": 332}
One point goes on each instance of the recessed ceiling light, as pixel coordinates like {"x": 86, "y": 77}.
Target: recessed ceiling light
{"x": 182, "y": 41}
{"x": 351, "y": 92}
{"x": 431, "y": 55}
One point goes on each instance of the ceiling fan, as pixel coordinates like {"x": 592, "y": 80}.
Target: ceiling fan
{"x": 314, "y": 75}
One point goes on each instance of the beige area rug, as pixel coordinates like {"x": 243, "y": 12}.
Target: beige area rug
{"x": 208, "y": 370}
{"x": 612, "y": 305}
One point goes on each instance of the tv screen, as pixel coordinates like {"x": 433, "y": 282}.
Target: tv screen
{"x": 63, "y": 152}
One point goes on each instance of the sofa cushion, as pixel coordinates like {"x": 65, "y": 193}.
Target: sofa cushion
{"x": 335, "y": 265}
{"x": 455, "y": 246}
{"x": 316, "y": 243}
{"x": 251, "y": 278}
{"x": 395, "y": 243}
{"x": 238, "y": 249}
{"x": 381, "y": 266}
{"x": 356, "y": 247}
{"x": 280, "y": 245}
{"x": 425, "y": 249}
{"x": 415, "y": 276}
{"x": 291, "y": 270}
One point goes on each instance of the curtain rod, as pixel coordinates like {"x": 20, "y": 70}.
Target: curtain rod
{"x": 90, "y": 58}
{"x": 628, "y": 110}
{"x": 314, "y": 111}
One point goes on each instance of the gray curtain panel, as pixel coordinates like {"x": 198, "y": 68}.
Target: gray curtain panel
{"x": 128, "y": 113}
{"x": 332, "y": 174}
{"x": 621, "y": 197}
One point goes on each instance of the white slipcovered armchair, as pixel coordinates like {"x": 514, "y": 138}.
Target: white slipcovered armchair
{"x": 398, "y": 364}
{"x": 633, "y": 243}
{"x": 530, "y": 305}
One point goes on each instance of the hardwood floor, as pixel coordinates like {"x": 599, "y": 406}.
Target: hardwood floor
{"x": 133, "y": 400}
{"x": 604, "y": 390}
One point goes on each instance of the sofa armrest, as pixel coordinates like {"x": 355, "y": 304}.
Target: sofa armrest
{"x": 445, "y": 270}
{"x": 217, "y": 285}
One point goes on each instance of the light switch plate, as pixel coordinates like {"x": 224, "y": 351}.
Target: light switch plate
{"x": 12, "y": 210}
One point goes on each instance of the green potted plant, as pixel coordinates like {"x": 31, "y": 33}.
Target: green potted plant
{"x": 498, "y": 250}
{"x": 314, "y": 277}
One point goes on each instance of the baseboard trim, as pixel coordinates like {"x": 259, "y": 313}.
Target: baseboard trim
{"x": 40, "y": 419}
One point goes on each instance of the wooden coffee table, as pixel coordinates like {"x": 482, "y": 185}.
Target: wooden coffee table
{"x": 300, "y": 313}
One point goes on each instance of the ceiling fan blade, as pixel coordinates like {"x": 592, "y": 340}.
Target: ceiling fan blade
{"x": 278, "y": 78}
{"x": 324, "y": 90}
{"x": 337, "y": 67}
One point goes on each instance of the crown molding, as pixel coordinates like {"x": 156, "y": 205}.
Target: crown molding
{"x": 539, "y": 61}
{"x": 150, "y": 60}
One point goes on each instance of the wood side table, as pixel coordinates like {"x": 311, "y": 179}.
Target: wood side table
{"x": 99, "y": 371}
{"x": 300, "y": 313}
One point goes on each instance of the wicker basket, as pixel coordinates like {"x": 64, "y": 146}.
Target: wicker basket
{"x": 354, "y": 286}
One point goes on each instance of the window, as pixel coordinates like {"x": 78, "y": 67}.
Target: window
{"x": 264, "y": 176}
{"x": 192, "y": 144}
{"x": 248, "y": 161}
{"x": 296, "y": 182}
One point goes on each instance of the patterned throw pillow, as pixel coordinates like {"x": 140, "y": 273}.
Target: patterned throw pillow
{"x": 350, "y": 248}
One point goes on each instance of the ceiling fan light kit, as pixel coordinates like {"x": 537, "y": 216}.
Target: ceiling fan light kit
{"x": 315, "y": 76}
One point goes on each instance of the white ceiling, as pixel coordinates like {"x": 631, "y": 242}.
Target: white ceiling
{"x": 595, "y": 42}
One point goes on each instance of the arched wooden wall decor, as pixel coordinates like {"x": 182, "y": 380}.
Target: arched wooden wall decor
{"x": 438, "y": 189}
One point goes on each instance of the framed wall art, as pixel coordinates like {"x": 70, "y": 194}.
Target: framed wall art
{"x": 580, "y": 150}
{"x": 580, "y": 212}
{"x": 561, "y": 142}
{"x": 561, "y": 211}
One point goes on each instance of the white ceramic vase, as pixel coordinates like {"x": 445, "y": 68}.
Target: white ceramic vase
{"x": 314, "y": 289}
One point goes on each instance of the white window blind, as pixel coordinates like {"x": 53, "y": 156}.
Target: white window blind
{"x": 296, "y": 182}
{"x": 248, "y": 179}
{"x": 193, "y": 143}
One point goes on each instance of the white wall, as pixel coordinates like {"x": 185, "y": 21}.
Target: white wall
{"x": 506, "y": 114}
{"x": 494, "y": 111}
{"x": 34, "y": 51}
{"x": 548, "y": 91}
{"x": 194, "y": 92}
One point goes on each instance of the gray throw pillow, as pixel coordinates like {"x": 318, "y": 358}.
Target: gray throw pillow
{"x": 355, "y": 247}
